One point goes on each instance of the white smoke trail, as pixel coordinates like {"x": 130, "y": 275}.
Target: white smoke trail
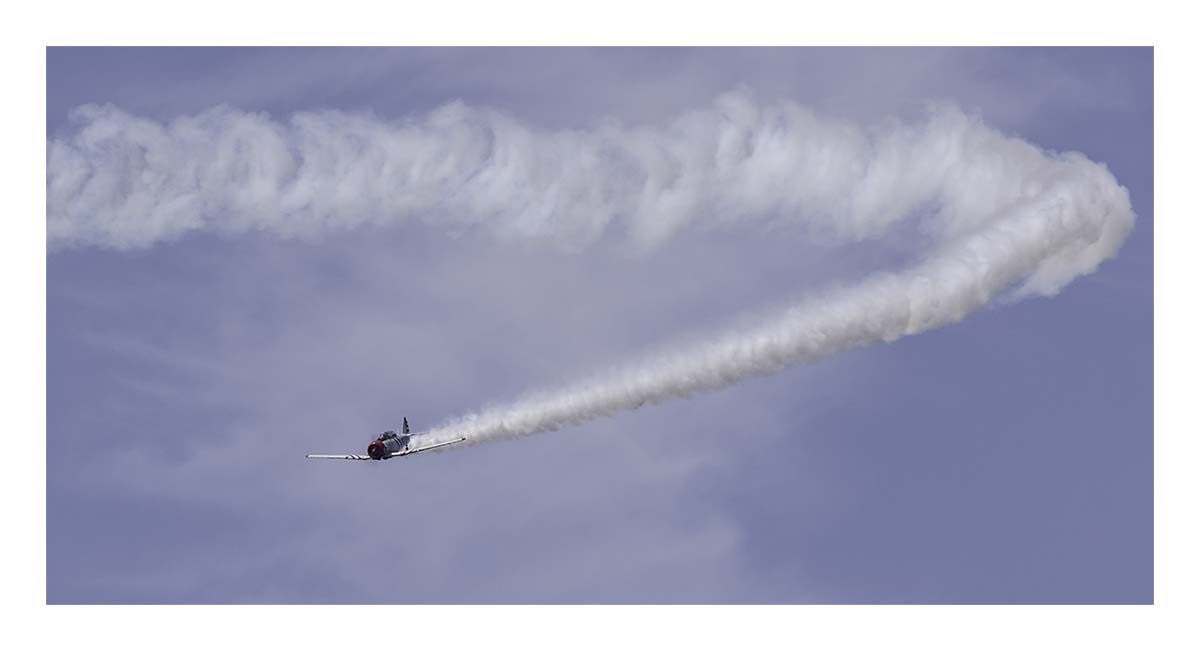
{"x": 941, "y": 290}
{"x": 1002, "y": 213}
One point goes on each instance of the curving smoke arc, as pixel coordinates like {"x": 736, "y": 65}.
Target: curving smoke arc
{"x": 1004, "y": 217}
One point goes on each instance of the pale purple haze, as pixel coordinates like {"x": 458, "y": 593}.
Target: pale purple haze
{"x": 1003, "y": 459}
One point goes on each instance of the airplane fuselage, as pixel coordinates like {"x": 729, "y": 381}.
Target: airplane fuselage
{"x": 388, "y": 444}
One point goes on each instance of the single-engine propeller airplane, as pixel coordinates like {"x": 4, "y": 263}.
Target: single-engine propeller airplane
{"x": 389, "y": 445}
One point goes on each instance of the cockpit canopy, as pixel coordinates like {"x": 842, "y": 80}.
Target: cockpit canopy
{"x": 390, "y": 434}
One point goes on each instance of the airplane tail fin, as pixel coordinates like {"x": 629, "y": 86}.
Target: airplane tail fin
{"x": 405, "y": 430}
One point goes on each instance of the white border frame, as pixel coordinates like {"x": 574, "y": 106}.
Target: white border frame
{"x": 616, "y": 22}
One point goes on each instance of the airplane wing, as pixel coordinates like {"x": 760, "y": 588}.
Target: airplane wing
{"x": 431, "y": 447}
{"x": 363, "y": 457}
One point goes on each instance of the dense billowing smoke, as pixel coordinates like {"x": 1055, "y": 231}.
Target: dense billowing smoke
{"x": 1001, "y": 213}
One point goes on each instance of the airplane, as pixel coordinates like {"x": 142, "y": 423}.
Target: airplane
{"x": 388, "y": 445}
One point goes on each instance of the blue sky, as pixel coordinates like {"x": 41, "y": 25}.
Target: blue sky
{"x": 1007, "y": 458}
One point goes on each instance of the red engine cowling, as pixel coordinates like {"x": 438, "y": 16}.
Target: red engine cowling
{"x": 376, "y": 450}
